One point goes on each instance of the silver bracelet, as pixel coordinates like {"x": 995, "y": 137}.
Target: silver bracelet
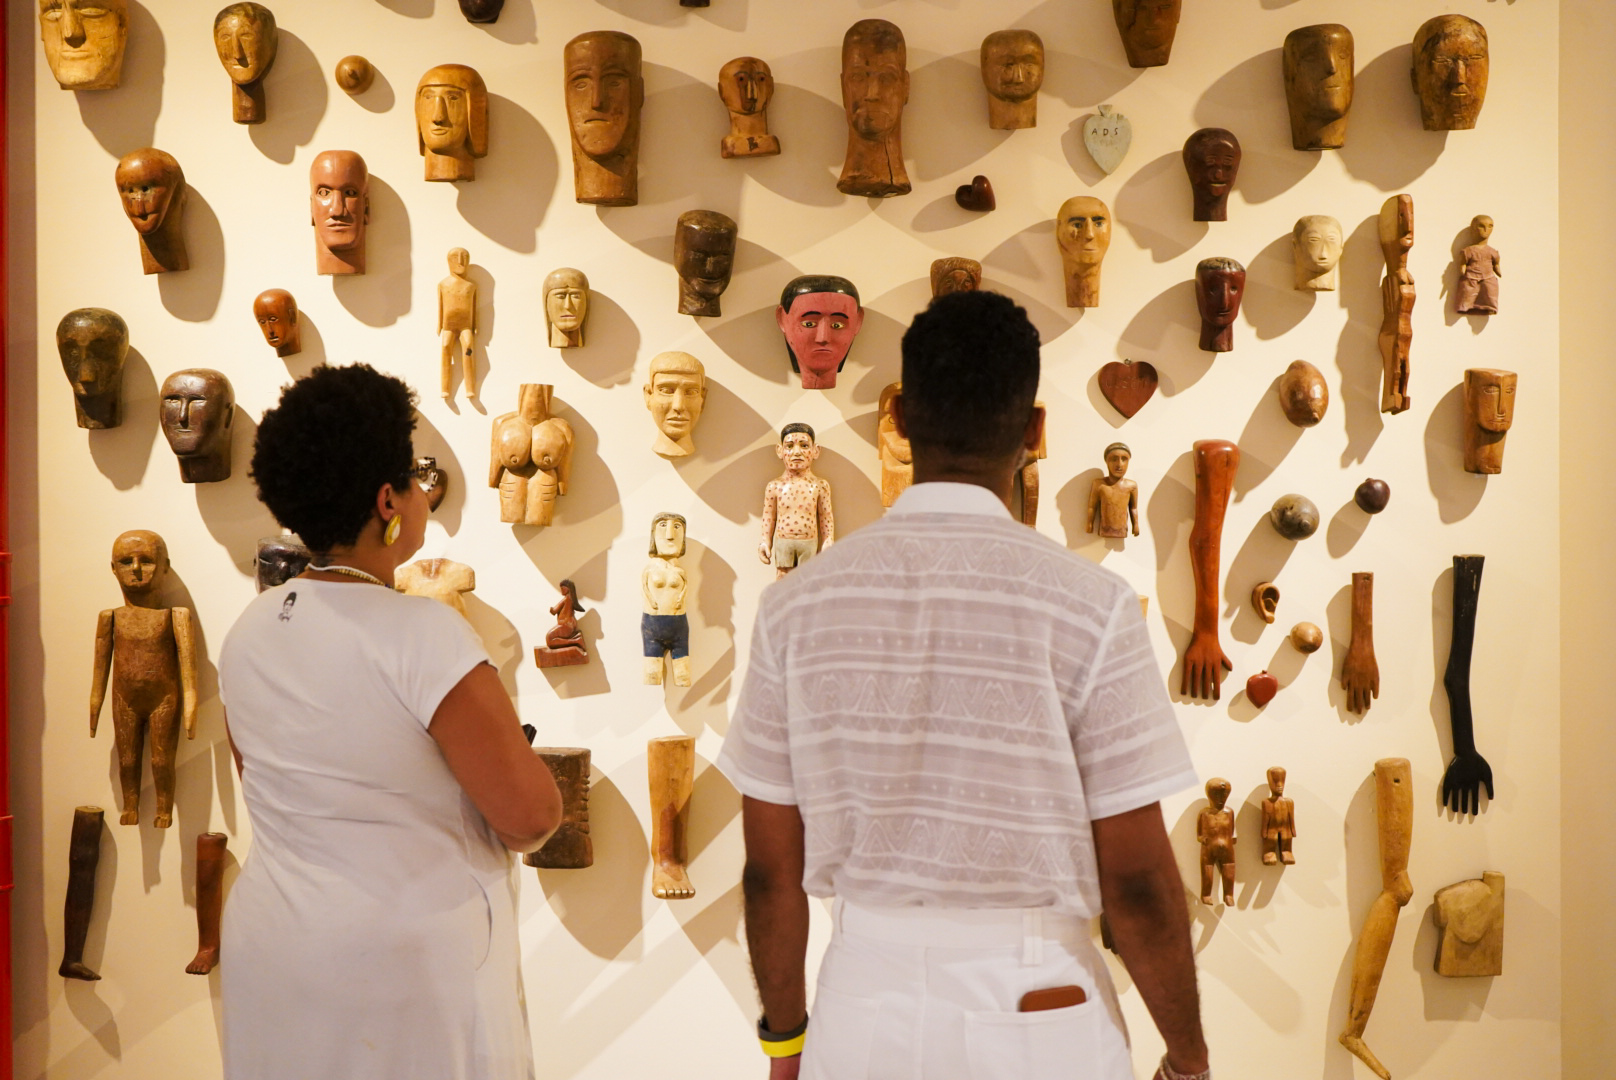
{"x": 1168, "y": 1073}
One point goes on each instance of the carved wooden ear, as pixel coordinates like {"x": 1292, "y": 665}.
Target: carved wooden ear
{"x": 1265, "y": 598}
{"x": 977, "y": 195}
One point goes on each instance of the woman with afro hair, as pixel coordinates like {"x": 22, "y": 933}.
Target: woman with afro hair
{"x": 372, "y": 932}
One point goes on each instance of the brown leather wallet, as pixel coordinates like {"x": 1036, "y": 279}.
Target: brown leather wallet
{"x": 1055, "y": 997}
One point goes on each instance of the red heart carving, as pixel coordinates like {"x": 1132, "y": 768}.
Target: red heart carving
{"x": 1128, "y": 384}
{"x": 1261, "y": 689}
{"x": 977, "y": 195}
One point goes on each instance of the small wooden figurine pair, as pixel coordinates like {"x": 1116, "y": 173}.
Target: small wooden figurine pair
{"x": 1214, "y": 829}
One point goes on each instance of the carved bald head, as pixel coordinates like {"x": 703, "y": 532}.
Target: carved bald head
{"x": 85, "y": 41}
{"x": 745, "y": 85}
{"x": 245, "y": 38}
{"x": 675, "y": 393}
{"x": 1316, "y": 247}
{"x": 276, "y": 314}
{"x": 1450, "y": 72}
{"x": 703, "y": 255}
{"x": 566, "y": 305}
{"x": 93, "y": 343}
{"x": 604, "y": 91}
{"x": 339, "y": 209}
{"x": 140, "y": 563}
{"x": 1012, "y": 71}
{"x": 953, "y": 274}
{"x": 1147, "y": 28}
{"x": 198, "y": 412}
{"x": 1219, "y": 285}
{"x": 875, "y": 78}
{"x": 150, "y": 182}
{"x": 1318, "y": 63}
{"x": 451, "y": 121}
{"x": 1083, "y": 232}
{"x": 1212, "y": 159}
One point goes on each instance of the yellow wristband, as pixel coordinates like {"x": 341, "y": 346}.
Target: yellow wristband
{"x": 789, "y": 1048}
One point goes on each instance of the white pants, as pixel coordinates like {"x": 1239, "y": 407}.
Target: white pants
{"x": 931, "y": 994}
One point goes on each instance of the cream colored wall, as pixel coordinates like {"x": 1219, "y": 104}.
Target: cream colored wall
{"x": 618, "y": 983}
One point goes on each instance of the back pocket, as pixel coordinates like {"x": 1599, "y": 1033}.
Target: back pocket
{"x": 1043, "y": 1045}
{"x": 839, "y": 1036}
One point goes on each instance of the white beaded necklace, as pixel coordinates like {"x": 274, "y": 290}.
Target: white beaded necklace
{"x": 353, "y": 572}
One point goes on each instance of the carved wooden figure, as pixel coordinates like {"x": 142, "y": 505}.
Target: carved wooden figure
{"x": 1028, "y": 477}
{"x": 1107, "y": 135}
{"x": 210, "y": 855}
{"x": 1396, "y": 231}
{"x": 198, "y": 413}
{"x": 1489, "y": 400}
{"x": 955, "y": 274}
{"x": 1013, "y": 72}
{"x": 1316, "y": 246}
{"x": 443, "y": 580}
{"x": 797, "y": 519}
{"x": 433, "y": 480}
{"x": 604, "y": 93}
{"x": 481, "y": 11}
{"x": 451, "y": 121}
{"x": 1468, "y": 772}
{"x": 1295, "y": 517}
{"x": 245, "y": 38}
{"x": 1278, "y": 822}
{"x": 1303, "y": 394}
{"x": 93, "y": 344}
{"x": 1216, "y": 461}
{"x": 1083, "y": 232}
{"x": 1113, "y": 498}
{"x": 152, "y": 186}
{"x": 564, "y": 642}
{"x": 703, "y": 255}
{"x": 279, "y": 559}
{"x": 1450, "y": 72}
{"x": 1220, "y": 284}
{"x": 820, "y": 315}
{"x": 1318, "y": 85}
{"x": 1360, "y": 674}
{"x": 1214, "y": 828}
{"x": 531, "y": 461}
{"x": 671, "y": 763}
{"x": 1265, "y": 600}
{"x": 354, "y": 74}
{"x": 1469, "y": 918}
{"x": 1394, "y": 811}
{"x": 875, "y": 88}
{"x": 149, "y": 652}
{"x": 897, "y": 459}
{"x": 675, "y": 392}
{"x": 745, "y": 85}
{"x": 1212, "y": 160}
{"x": 566, "y": 306}
{"x": 664, "y": 585}
{"x": 1477, "y": 290}
{"x": 1147, "y": 28}
{"x": 339, "y": 210}
{"x": 85, "y": 41}
{"x": 275, "y": 311}
{"x": 571, "y": 848}
{"x": 83, "y": 858}
{"x": 457, "y": 324}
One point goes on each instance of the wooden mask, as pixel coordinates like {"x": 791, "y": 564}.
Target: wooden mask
{"x": 451, "y": 121}
{"x": 276, "y": 314}
{"x": 954, "y": 274}
{"x": 604, "y": 94}
{"x": 198, "y": 412}
{"x": 819, "y": 314}
{"x": 152, "y": 187}
{"x": 675, "y": 393}
{"x": 1450, "y": 72}
{"x": 246, "y": 39}
{"x": 566, "y": 305}
{"x": 1318, "y": 85}
{"x": 1147, "y": 28}
{"x": 339, "y": 210}
{"x": 703, "y": 254}
{"x": 1219, "y": 285}
{"x": 1013, "y": 72}
{"x": 93, "y": 343}
{"x": 875, "y": 88}
{"x": 85, "y": 41}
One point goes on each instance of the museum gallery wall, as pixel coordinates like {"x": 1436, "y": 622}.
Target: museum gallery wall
{"x": 618, "y": 979}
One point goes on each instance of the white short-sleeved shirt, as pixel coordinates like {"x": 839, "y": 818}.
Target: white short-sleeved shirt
{"x": 950, "y": 699}
{"x": 372, "y": 932}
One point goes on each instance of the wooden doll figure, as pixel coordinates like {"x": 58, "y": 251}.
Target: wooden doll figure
{"x": 1114, "y": 499}
{"x": 210, "y": 849}
{"x": 150, "y": 653}
{"x": 1477, "y": 293}
{"x": 665, "y": 625}
{"x": 1278, "y": 821}
{"x": 671, "y": 764}
{"x": 85, "y": 41}
{"x": 745, "y": 85}
{"x": 564, "y": 642}
{"x": 1214, "y": 828}
{"x": 897, "y": 460}
{"x": 83, "y": 858}
{"x": 571, "y": 847}
{"x": 1397, "y": 301}
{"x": 531, "y": 461}
{"x": 604, "y": 91}
{"x": 152, "y": 186}
{"x": 245, "y": 37}
{"x": 457, "y": 323}
{"x": 797, "y": 518}
{"x": 875, "y": 88}
{"x": 1028, "y": 476}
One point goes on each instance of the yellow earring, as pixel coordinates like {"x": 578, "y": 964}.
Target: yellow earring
{"x": 394, "y": 525}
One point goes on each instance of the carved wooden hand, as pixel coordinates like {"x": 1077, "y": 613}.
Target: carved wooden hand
{"x": 1216, "y": 461}
{"x": 1360, "y": 675}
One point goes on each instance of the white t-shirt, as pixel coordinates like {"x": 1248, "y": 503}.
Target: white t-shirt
{"x": 950, "y": 699}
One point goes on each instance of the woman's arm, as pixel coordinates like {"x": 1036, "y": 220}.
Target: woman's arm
{"x": 481, "y": 738}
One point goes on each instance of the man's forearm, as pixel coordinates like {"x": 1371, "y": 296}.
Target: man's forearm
{"x": 777, "y": 940}
{"x": 1150, "y": 925}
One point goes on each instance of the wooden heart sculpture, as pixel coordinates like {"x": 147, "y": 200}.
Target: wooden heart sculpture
{"x": 1128, "y": 384}
{"x": 1261, "y": 689}
{"x": 1107, "y": 135}
{"x": 977, "y": 195}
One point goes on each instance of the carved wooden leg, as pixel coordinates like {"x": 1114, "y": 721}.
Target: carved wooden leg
{"x": 83, "y": 856}
{"x": 209, "y": 900}
{"x": 671, "y": 763}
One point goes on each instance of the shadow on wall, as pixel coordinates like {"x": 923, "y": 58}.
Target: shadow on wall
{"x": 611, "y": 342}
{"x": 429, "y": 442}
{"x": 516, "y": 25}
{"x": 123, "y": 453}
{"x": 1249, "y": 100}
{"x": 1273, "y": 305}
{"x": 125, "y": 119}
{"x": 1387, "y": 145}
{"x": 1358, "y": 349}
{"x": 941, "y": 93}
{"x": 712, "y": 645}
{"x": 230, "y": 508}
{"x": 1457, "y": 492}
{"x": 381, "y": 295}
{"x": 515, "y": 182}
{"x": 1265, "y": 442}
{"x": 1154, "y": 184}
{"x": 588, "y": 518}
{"x": 295, "y": 95}
{"x": 1166, "y": 331}
{"x": 731, "y": 15}
{"x": 193, "y": 295}
{"x": 602, "y": 907}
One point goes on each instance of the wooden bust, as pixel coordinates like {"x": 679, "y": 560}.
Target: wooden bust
{"x": 481, "y": 11}
{"x": 339, "y": 210}
{"x": 820, "y": 315}
{"x": 564, "y": 642}
{"x": 1360, "y": 674}
{"x": 93, "y": 344}
{"x": 1278, "y": 821}
{"x": 571, "y": 848}
{"x": 354, "y": 74}
{"x": 152, "y": 187}
{"x": 1477, "y": 291}
{"x": 1450, "y": 72}
{"x": 1013, "y": 72}
{"x": 443, "y": 580}
{"x": 1219, "y": 285}
{"x": 797, "y": 519}
{"x": 150, "y": 653}
{"x": 897, "y": 460}
{"x": 671, "y": 765}
{"x": 675, "y": 392}
{"x": 1303, "y": 394}
{"x": 1216, "y": 461}
{"x": 745, "y": 85}
{"x": 198, "y": 413}
{"x": 457, "y": 323}
{"x": 1083, "y": 232}
{"x": 83, "y": 858}
{"x": 1469, "y": 918}
{"x": 1212, "y": 159}
{"x": 451, "y": 121}
{"x": 1318, "y": 63}
{"x": 604, "y": 93}
{"x": 531, "y": 460}
{"x": 665, "y": 625}
{"x": 954, "y": 274}
{"x": 1394, "y": 811}
{"x": 246, "y": 39}
{"x": 1147, "y": 28}
{"x": 1316, "y": 246}
{"x": 1113, "y": 498}
{"x": 875, "y": 88}
{"x": 1214, "y": 828}
{"x": 566, "y": 306}
{"x": 1396, "y": 230}
{"x": 275, "y": 311}
{"x": 703, "y": 254}
{"x": 210, "y": 857}
{"x": 85, "y": 41}
{"x": 1489, "y": 397}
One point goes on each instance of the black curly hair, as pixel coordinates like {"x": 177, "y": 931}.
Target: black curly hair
{"x": 336, "y": 436}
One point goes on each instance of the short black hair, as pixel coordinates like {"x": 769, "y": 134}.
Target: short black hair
{"x": 970, "y": 375}
{"x": 793, "y": 429}
{"x": 334, "y": 438}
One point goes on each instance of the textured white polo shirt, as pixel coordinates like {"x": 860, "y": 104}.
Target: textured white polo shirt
{"x": 950, "y": 699}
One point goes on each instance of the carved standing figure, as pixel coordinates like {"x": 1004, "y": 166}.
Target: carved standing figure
{"x": 745, "y": 85}
{"x": 703, "y": 255}
{"x": 1214, "y": 828}
{"x": 246, "y": 39}
{"x": 1489, "y": 399}
{"x": 1316, "y": 246}
{"x": 571, "y": 847}
{"x": 1469, "y": 918}
{"x": 564, "y": 642}
{"x": 1083, "y": 232}
{"x": 1013, "y": 72}
{"x": 1394, "y": 811}
{"x": 875, "y": 88}
{"x": 93, "y": 344}
{"x": 797, "y": 518}
{"x": 1147, "y": 28}
{"x": 152, "y": 187}
{"x": 1477, "y": 292}
{"x": 451, "y": 121}
{"x": 1113, "y": 498}
{"x": 210, "y": 852}
{"x": 149, "y": 652}
{"x": 665, "y": 625}
{"x": 675, "y": 392}
{"x": 339, "y": 210}
{"x": 955, "y": 274}
{"x": 85, "y": 41}
{"x": 1212, "y": 160}
{"x": 1318, "y": 64}
{"x": 457, "y": 323}
{"x": 1278, "y": 821}
{"x": 671, "y": 765}
{"x": 1450, "y": 72}
{"x": 531, "y": 462}
{"x": 275, "y": 311}
{"x": 1216, "y": 461}
{"x": 1220, "y": 284}
{"x": 820, "y": 315}
{"x": 604, "y": 93}
{"x": 897, "y": 459}
{"x": 1396, "y": 231}
{"x": 1360, "y": 673}
{"x": 83, "y": 858}
{"x": 443, "y": 580}
{"x": 566, "y": 306}
{"x": 198, "y": 413}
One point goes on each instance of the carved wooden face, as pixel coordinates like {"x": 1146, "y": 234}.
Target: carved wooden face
{"x": 149, "y": 182}
{"x": 197, "y": 409}
{"x": 668, "y": 536}
{"x": 566, "y": 300}
{"x": 1217, "y": 791}
{"x": 676, "y": 392}
{"x": 276, "y": 313}
{"x": 604, "y": 91}
{"x": 1212, "y": 162}
{"x": 703, "y": 255}
{"x": 1116, "y": 461}
{"x": 955, "y": 275}
{"x": 875, "y": 84}
{"x": 1084, "y": 230}
{"x": 84, "y": 41}
{"x": 279, "y": 560}
{"x": 745, "y": 85}
{"x": 93, "y": 343}
{"x": 443, "y": 109}
{"x": 1318, "y": 243}
{"x": 139, "y": 560}
{"x": 819, "y": 329}
{"x": 1318, "y": 64}
{"x": 339, "y": 199}
{"x": 245, "y": 38}
{"x": 1148, "y": 24}
{"x": 798, "y": 451}
{"x": 1217, "y": 294}
{"x": 1276, "y": 781}
{"x": 1491, "y": 395}
{"x": 1450, "y": 72}
{"x": 1013, "y": 64}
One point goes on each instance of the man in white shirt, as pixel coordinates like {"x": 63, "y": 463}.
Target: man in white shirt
{"x": 957, "y": 728}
